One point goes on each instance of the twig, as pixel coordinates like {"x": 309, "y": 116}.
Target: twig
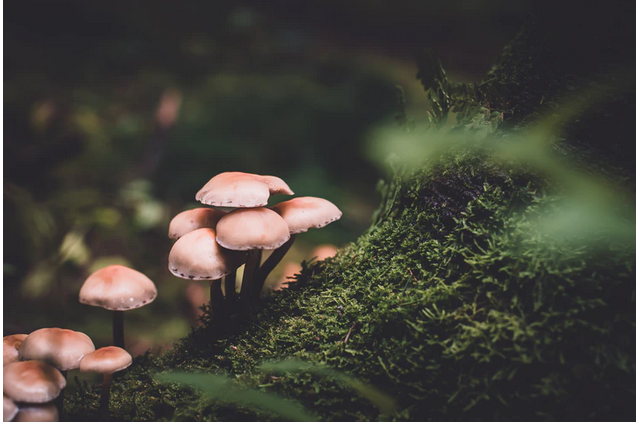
{"x": 349, "y": 333}
{"x": 352, "y": 260}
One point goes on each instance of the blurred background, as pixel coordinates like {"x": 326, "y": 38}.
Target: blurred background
{"x": 116, "y": 113}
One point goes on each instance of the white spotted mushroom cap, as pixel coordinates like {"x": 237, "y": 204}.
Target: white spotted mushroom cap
{"x": 10, "y": 346}
{"x": 193, "y": 219}
{"x": 198, "y": 256}
{"x": 117, "y": 288}
{"x": 106, "y": 360}
{"x": 32, "y": 382}
{"x": 241, "y": 190}
{"x": 61, "y": 348}
{"x": 303, "y": 213}
{"x": 9, "y": 409}
{"x": 246, "y": 229}
{"x": 38, "y": 414}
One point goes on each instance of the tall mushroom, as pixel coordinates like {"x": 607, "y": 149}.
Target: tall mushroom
{"x": 251, "y": 230}
{"x": 106, "y": 361}
{"x": 198, "y": 256}
{"x": 118, "y": 288}
{"x": 300, "y": 214}
{"x": 241, "y": 190}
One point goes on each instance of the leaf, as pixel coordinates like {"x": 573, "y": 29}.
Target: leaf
{"x": 384, "y": 402}
{"x": 218, "y": 387}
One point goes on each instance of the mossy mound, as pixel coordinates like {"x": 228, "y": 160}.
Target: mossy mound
{"x": 451, "y": 305}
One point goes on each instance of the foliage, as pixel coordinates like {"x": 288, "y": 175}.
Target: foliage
{"x": 220, "y": 388}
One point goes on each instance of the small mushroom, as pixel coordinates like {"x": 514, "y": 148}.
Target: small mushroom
{"x": 252, "y": 230}
{"x": 303, "y": 213}
{"x": 10, "y": 346}
{"x": 241, "y": 190}
{"x": 193, "y": 219}
{"x": 32, "y": 382}
{"x": 106, "y": 361}
{"x": 289, "y": 270}
{"x": 300, "y": 214}
{"x": 9, "y": 409}
{"x": 61, "y": 348}
{"x": 38, "y": 414}
{"x": 198, "y": 256}
{"x": 118, "y": 288}
{"x": 323, "y": 252}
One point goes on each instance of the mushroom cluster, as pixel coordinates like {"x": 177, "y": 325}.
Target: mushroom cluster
{"x": 212, "y": 243}
{"x": 36, "y": 366}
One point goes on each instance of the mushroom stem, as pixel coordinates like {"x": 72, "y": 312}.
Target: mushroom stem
{"x": 272, "y": 261}
{"x": 59, "y": 401}
{"x": 118, "y": 328}
{"x": 249, "y": 277}
{"x": 105, "y": 396}
{"x": 230, "y": 287}
{"x": 216, "y": 299}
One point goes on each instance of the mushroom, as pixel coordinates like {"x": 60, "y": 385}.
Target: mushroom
{"x": 303, "y": 213}
{"x": 193, "y": 219}
{"x": 198, "y": 256}
{"x": 32, "y": 382}
{"x": 118, "y": 289}
{"x": 323, "y": 252}
{"x": 300, "y": 214}
{"x": 38, "y": 413}
{"x": 106, "y": 361}
{"x": 9, "y": 409}
{"x": 252, "y": 230}
{"x": 10, "y": 346}
{"x": 241, "y": 190}
{"x": 61, "y": 348}
{"x": 289, "y": 270}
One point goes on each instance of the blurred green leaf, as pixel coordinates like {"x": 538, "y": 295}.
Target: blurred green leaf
{"x": 589, "y": 205}
{"x": 220, "y": 388}
{"x": 384, "y": 402}
{"x": 149, "y": 214}
{"x": 107, "y": 217}
{"x": 38, "y": 281}
{"x": 74, "y": 249}
{"x": 110, "y": 260}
